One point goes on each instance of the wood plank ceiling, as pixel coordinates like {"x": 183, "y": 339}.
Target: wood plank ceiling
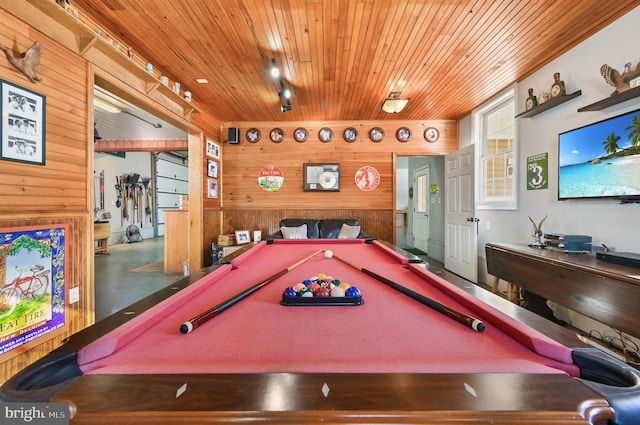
{"x": 342, "y": 58}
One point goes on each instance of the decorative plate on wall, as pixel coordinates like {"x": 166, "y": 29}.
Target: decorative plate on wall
{"x": 367, "y": 178}
{"x": 376, "y": 134}
{"x": 403, "y": 134}
{"x": 350, "y": 134}
{"x": 431, "y": 135}
{"x": 276, "y": 135}
{"x": 253, "y": 135}
{"x": 301, "y": 134}
{"x": 325, "y": 134}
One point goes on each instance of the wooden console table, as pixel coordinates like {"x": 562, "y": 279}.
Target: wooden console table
{"x": 606, "y": 292}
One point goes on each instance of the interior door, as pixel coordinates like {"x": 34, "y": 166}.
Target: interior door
{"x": 461, "y": 232}
{"x": 421, "y": 209}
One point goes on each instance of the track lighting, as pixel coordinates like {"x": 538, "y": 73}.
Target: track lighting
{"x": 284, "y": 92}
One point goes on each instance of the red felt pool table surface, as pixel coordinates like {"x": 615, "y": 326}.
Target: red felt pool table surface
{"x": 389, "y": 332}
{"x": 389, "y": 360}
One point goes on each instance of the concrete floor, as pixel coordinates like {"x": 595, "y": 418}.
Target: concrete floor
{"x": 117, "y": 286}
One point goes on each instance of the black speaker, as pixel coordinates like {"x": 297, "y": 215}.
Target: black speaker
{"x": 234, "y": 135}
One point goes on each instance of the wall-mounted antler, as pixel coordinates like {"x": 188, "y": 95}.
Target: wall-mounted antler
{"x": 537, "y": 228}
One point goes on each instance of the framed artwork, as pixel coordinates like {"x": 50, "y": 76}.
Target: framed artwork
{"x": 242, "y": 237}
{"x": 213, "y": 149}
{"x": 212, "y": 188}
{"x": 23, "y": 124}
{"x": 33, "y": 295}
{"x": 212, "y": 169}
{"x": 321, "y": 177}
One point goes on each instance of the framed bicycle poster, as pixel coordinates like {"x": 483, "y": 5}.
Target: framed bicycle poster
{"x": 33, "y": 290}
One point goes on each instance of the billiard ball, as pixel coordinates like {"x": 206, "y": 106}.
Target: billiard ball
{"x": 328, "y": 253}
{"x": 337, "y": 292}
{"x": 352, "y": 291}
{"x": 313, "y": 286}
{"x": 322, "y": 291}
{"x": 299, "y": 286}
{"x": 290, "y": 293}
{"x": 305, "y": 292}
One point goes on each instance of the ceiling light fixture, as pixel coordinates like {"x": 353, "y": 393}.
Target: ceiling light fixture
{"x": 202, "y": 80}
{"x": 394, "y": 104}
{"x": 284, "y": 92}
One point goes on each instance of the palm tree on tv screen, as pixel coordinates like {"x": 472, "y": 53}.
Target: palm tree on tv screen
{"x": 611, "y": 144}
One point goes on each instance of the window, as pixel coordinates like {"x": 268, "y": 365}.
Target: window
{"x": 494, "y": 127}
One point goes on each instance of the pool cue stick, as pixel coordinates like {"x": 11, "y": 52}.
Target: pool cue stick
{"x": 203, "y": 317}
{"x": 466, "y": 320}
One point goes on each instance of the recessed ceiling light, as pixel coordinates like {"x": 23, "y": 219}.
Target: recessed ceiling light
{"x": 202, "y": 80}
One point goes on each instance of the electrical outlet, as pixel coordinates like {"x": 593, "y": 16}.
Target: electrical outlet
{"x": 74, "y": 295}
{"x": 487, "y": 225}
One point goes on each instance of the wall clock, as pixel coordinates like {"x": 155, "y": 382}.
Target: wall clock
{"x": 301, "y": 135}
{"x": 325, "y": 134}
{"x": 376, "y": 134}
{"x": 253, "y": 135}
{"x": 403, "y": 134}
{"x": 276, "y": 135}
{"x": 350, "y": 134}
{"x": 431, "y": 135}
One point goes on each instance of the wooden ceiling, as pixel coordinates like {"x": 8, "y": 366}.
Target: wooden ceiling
{"x": 342, "y": 58}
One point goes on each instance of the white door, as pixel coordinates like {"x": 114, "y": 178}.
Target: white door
{"x": 421, "y": 209}
{"x": 461, "y": 233}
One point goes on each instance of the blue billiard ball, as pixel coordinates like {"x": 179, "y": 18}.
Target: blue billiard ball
{"x": 289, "y": 292}
{"x": 352, "y": 291}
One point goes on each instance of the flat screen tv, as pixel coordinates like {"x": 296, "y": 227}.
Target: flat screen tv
{"x": 601, "y": 160}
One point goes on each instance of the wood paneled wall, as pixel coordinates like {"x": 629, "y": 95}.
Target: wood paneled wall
{"x": 57, "y": 192}
{"x": 244, "y": 205}
{"x": 242, "y": 163}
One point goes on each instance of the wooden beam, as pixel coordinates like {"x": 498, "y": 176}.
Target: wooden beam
{"x": 141, "y": 145}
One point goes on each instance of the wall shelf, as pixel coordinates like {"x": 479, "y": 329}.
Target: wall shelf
{"x": 548, "y": 105}
{"x": 614, "y": 99}
{"x": 75, "y": 35}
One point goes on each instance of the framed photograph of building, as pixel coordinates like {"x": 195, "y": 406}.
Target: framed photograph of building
{"x": 212, "y": 169}
{"x": 23, "y": 124}
{"x": 33, "y": 287}
{"x": 213, "y": 149}
{"x": 212, "y": 188}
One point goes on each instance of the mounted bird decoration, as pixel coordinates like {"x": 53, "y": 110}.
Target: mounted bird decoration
{"x": 28, "y": 61}
{"x": 621, "y": 81}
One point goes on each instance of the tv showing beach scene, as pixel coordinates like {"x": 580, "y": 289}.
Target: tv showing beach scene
{"x": 600, "y": 160}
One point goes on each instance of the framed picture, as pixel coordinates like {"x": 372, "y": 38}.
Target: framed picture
{"x": 213, "y": 149}
{"x": 34, "y": 294}
{"x": 23, "y": 124}
{"x": 321, "y": 177}
{"x": 212, "y": 188}
{"x": 242, "y": 237}
{"x": 212, "y": 169}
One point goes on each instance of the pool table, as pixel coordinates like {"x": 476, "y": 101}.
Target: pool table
{"x": 389, "y": 359}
